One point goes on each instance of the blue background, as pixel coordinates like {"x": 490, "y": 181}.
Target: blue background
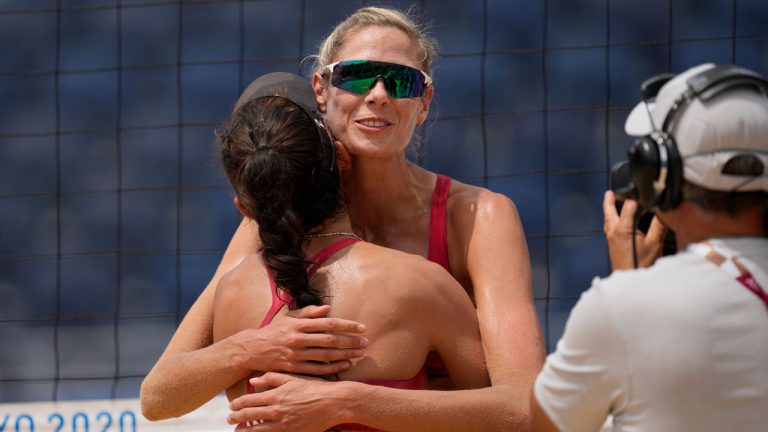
{"x": 114, "y": 214}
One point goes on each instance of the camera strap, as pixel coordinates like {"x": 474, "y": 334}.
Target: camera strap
{"x": 727, "y": 261}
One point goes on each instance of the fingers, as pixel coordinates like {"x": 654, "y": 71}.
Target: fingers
{"x": 610, "y": 215}
{"x": 261, "y": 408}
{"x": 252, "y": 400}
{"x": 314, "y": 361}
{"x": 628, "y": 210}
{"x": 250, "y": 408}
{"x": 260, "y": 426}
{"x": 656, "y": 232}
{"x": 327, "y": 355}
{"x": 251, "y": 414}
{"x": 330, "y": 340}
{"x": 653, "y": 243}
{"x": 312, "y": 312}
{"x": 613, "y": 219}
{"x": 319, "y": 369}
{"x": 335, "y": 325}
{"x": 262, "y": 383}
{"x": 255, "y": 428}
{"x": 315, "y": 321}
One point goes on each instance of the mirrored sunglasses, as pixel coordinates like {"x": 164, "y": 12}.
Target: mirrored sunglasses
{"x": 359, "y": 76}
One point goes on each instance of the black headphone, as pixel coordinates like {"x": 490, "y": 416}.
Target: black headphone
{"x": 653, "y": 175}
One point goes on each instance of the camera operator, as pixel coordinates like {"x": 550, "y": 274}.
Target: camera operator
{"x": 683, "y": 344}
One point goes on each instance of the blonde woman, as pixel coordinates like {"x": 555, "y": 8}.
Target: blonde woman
{"x": 362, "y": 83}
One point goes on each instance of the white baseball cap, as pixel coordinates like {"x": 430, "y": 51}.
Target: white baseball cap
{"x": 709, "y": 132}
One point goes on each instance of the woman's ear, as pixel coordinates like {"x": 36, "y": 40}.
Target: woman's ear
{"x": 318, "y": 85}
{"x": 244, "y": 211}
{"x": 425, "y": 101}
{"x": 343, "y": 160}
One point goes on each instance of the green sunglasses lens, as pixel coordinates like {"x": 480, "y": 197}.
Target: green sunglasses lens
{"x": 358, "y": 76}
{"x": 404, "y": 85}
{"x": 358, "y": 86}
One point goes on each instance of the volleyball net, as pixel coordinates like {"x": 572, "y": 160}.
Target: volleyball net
{"x": 114, "y": 215}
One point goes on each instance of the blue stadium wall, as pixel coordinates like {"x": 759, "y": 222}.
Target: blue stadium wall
{"x": 114, "y": 214}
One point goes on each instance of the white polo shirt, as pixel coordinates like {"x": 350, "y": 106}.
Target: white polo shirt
{"x": 681, "y": 346}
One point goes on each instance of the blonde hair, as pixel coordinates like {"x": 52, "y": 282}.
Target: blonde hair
{"x": 425, "y": 44}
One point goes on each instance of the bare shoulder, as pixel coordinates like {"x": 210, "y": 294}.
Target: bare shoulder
{"x": 407, "y": 276}
{"x": 241, "y": 299}
{"x": 469, "y": 203}
{"x": 482, "y": 226}
{"x": 239, "y": 281}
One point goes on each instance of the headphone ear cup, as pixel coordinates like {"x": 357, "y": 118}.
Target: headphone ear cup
{"x": 673, "y": 192}
{"x": 644, "y": 168}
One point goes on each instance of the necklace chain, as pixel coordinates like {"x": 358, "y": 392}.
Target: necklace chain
{"x": 334, "y": 233}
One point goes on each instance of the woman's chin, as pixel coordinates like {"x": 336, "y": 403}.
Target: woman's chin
{"x": 375, "y": 150}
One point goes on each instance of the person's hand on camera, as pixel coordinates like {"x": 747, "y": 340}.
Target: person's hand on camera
{"x": 303, "y": 341}
{"x": 618, "y": 228}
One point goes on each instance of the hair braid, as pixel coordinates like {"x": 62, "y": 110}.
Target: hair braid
{"x": 276, "y": 162}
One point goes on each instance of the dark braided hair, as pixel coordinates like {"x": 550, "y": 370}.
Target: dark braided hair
{"x": 284, "y": 175}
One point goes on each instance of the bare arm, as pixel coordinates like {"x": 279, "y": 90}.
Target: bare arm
{"x": 498, "y": 264}
{"x": 445, "y": 310}
{"x": 193, "y": 369}
{"x": 300, "y": 404}
{"x": 500, "y": 269}
{"x": 540, "y": 420}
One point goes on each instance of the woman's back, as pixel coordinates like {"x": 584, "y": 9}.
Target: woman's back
{"x": 408, "y": 305}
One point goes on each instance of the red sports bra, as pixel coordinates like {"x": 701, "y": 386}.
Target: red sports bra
{"x": 283, "y": 298}
{"x": 438, "y": 223}
{"x": 438, "y": 252}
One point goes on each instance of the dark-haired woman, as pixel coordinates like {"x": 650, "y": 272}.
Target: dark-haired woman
{"x": 283, "y": 168}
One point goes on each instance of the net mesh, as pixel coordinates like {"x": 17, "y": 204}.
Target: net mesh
{"x": 113, "y": 215}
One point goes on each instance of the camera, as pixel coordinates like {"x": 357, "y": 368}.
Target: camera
{"x": 621, "y": 181}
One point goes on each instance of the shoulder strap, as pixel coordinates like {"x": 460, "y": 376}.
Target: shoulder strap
{"x": 438, "y": 223}
{"x": 282, "y": 298}
{"x": 729, "y": 262}
{"x": 279, "y": 298}
{"x": 321, "y": 257}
